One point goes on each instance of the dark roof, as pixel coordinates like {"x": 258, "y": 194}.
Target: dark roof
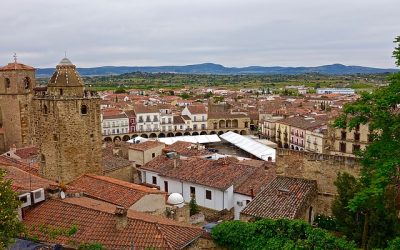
{"x": 284, "y": 197}
{"x": 178, "y": 119}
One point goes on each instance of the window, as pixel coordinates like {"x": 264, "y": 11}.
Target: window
{"x": 84, "y": 110}
{"x": 154, "y": 180}
{"x": 192, "y": 191}
{"x": 27, "y": 82}
{"x": 343, "y": 135}
{"x": 140, "y": 119}
{"x": 55, "y": 137}
{"x": 166, "y": 186}
{"x": 61, "y": 92}
{"x": 8, "y": 83}
{"x": 356, "y": 148}
{"x": 45, "y": 109}
{"x": 153, "y": 155}
{"x": 208, "y": 194}
{"x": 357, "y": 136}
{"x": 342, "y": 147}
{"x": 194, "y": 118}
{"x": 202, "y": 118}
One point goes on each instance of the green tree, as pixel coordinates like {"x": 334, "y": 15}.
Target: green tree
{"x": 10, "y": 226}
{"x": 276, "y": 234}
{"x": 193, "y": 207}
{"x": 91, "y": 246}
{"x": 377, "y": 199}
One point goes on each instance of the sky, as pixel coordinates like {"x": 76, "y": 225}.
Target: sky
{"x": 233, "y": 33}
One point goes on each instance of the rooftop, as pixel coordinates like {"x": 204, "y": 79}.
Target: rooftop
{"x": 146, "y": 145}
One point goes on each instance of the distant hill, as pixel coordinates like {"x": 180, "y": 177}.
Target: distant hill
{"x": 211, "y": 68}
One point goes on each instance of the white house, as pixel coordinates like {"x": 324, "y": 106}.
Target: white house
{"x": 216, "y": 184}
{"x": 147, "y": 118}
{"x": 113, "y": 124}
{"x": 198, "y": 116}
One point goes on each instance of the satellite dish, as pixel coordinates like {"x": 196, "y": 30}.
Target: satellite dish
{"x": 62, "y": 195}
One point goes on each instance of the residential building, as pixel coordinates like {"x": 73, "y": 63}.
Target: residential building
{"x": 144, "y": 152}
{"x": 198, "y": 116}
{"x": 347, "y": 142}
{"x": 284, "y": 197}
{"x": 115, "y": 124}
{"x": 147, "y": 118}
{"x": 228, "y": 120}
{"x": 132, "y": 120}
{"x": 343, "y": 91}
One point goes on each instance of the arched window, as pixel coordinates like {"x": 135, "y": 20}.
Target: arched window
{"x": 45, "y": 109}
{"x": 27, "y": 82}
{"x": 8, "y": 83}
{"x": 84, "y": 110}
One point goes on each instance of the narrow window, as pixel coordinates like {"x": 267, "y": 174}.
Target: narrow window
{"x": 208, "y": 195}
{"x": 8, "y": 83}
{"x": 27, "y": 82}
{"x": 342, "y": 146}
{"x": 154, "y": 180}
{"x": 45, "y": 109}
{"x": 61, "y": 92}
{"x": 153, "y": 155}
{"x": 192, "y": 191}
{"x": 166, "y": 186}
{"x": 84, "y": 110}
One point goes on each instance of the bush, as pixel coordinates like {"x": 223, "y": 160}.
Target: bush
{"x": 326, "y": 222}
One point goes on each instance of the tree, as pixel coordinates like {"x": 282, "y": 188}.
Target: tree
{"x": 10, "y": 226}
{"x": 377, "y": 199}
{"x": 193, "y": 207}
{"x": 276, "y": 234}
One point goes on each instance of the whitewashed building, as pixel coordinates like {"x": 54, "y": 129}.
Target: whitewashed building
{"x": 114, "y": 124}
{"x": 198, "y": 116}
{"x": 147, "y": 118}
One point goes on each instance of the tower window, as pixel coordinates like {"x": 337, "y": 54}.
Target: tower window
{"x": 45, "y": 109}
{"x": 84, "y": 110}
{"x": 61, "y": 92}
{"x": 8, "y": 83}
{"x": 27, "y": 82}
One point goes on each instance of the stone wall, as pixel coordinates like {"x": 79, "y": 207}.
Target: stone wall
{"x": 320, "y": 167}
{"x": 124, "y": 174}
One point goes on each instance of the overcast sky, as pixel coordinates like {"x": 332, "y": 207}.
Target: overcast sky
{"x": 180, "y": 32}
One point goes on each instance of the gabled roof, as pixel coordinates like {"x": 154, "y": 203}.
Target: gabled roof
{"x": 197, "y": 109}
{"x": 96, "y": 222}
{"x": 111, "y": 190}
{"x": 284, "y": 197}
{"x": 146, "y": 145}
{"x": 220, "y": 174}
{"x": 142, "y": 109}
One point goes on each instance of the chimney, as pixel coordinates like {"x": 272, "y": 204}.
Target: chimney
{"x": 121, "y": 218}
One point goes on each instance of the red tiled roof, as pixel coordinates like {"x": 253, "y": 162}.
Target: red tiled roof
{"x": 141, "y": 109}
{"x": 284, "y": 197}
{"x": 146, "y": 145}
{"x": 30, "y": 168}
{"x": 185, "y": 149}
{"x": 114, "y": 191}
{"x": 197, "y": 109}
{"x": 258, "y": 180}
{"x": 16, "y": 66}
{"x": 27, "y": 152}
{"x": 220, "y": 174}
{"x": 96, "y": 222}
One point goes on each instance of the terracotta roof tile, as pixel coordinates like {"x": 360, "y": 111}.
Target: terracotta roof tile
{"x": 284, "y": 197}
{"x": 114, "y": 191}
{"x": 197, "y": 109}
{"x": 146, "y": 145}
{"x": 97, "y": 223}
{"x": 27, "y": 152}
{"x": 16, "y": 66}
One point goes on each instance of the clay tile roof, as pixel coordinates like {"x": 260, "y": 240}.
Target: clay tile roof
{"x": 146, "y": 145}
{"x": 224, "y": 115}
{"x": 185, "y": 117}
{"x": 27, "y": 152}
{"x": 24, "y": 181}
{"x": 111, "y": 190}
{"x": 178, "y": 119}
{"x": 130, "y": 113}
{"x": 114, "y": 116}
{"x": 141, "y": 109}
{"x": 197, "y": 109}
{"x": 30, "y": 168}
{"x": 302, "y": 122}
{"x": 257, "y": 180}
{"x": 220, "y": 174}
{"x": 113, "y": 162}
{"x": 185, "y": 149}
{"x": 16, "y": 66}
{"x": 96, "y": 222}
{"x": 284, "y": 197}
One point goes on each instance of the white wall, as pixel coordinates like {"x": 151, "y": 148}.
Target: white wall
{"x": 239, "y": 198}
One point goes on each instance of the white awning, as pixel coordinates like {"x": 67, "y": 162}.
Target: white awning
{"x": 251, "y": 146}
{"x": 202, "y": 139}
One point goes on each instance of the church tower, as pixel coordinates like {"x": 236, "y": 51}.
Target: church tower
{"x": 67, "y": 126}
{"x": 16, "y": 85}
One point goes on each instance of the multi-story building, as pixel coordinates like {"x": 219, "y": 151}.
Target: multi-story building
{"x": 317, "y": 141}
{"x": 347, "y": 142}
{"x": 198, "y": 116}
{"x": 268, "y": 127}
{"x": 166, "y": 117}
{"x": 115, "y": 124}
{"x": 132, "y": 120}
{"x": 147, "y": 118}
{"x": 238, "y": 122}
{"x": 343, "y": 91}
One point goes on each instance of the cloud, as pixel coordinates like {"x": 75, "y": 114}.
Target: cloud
{"x": 177, "y": 32}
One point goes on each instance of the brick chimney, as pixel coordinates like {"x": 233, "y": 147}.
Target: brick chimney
{"x": 121, "y": 218}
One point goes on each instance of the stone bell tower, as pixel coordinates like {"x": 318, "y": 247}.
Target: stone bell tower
{"x": 67, "y": 126}
{"x": 16, "y": 85}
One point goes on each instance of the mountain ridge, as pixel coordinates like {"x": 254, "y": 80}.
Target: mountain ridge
{"x": 218, "y": 69}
